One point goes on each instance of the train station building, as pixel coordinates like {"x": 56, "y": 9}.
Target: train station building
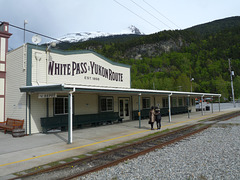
{"x": 51, "y": 89}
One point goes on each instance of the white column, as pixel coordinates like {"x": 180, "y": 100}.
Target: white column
{"x": 169, "y": 107}
{"x": 188, "y": 106}
{"x": 139, "y": 109}
{"x": 219, "y": 103}
{"x": 70, "y": 115}
{"x": 212, "y": 104}
{"x": 70, "y": 118}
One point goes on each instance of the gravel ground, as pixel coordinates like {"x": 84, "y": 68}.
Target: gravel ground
{"x": 211, "y": 154}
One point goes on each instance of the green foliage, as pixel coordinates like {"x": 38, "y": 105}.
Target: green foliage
{"x": 236, "y": 84}
{"x": 222, "y": 87}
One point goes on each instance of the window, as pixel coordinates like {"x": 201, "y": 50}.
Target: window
{"x": 180, "y": 102}
{"x": 61, "y": 105}
{"x": 106, "y": 104}
{"x": 174, "y": 102}
{"x": 146, "y": 103}
{"x": 165, "y": 102}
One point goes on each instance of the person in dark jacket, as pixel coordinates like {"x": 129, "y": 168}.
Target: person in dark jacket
{"x": 158, "y": 117}
{"x": 152, "y": 117}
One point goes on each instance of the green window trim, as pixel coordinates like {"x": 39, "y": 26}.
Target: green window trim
{"x": 146, "y": 103}
{"x": 106, "y": 104}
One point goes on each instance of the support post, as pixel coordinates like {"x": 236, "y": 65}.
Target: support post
{"x": 219, "y": 103}
{"x": 169, "y": 107}
{"x": 188, "y": 106}
{"x": 29, "y": 114}
{"x": 212, "y": 104}
{"x": 231, "y": 74}
{"x": 139, "y": 109}
{"x": 70, "y": 116}
{"x": 47, "y": 107}
{"x": 26, "y": 114}
{"x": 202, "y": 105}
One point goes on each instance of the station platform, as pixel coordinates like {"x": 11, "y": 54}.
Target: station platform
{"x": 22, "y": 153}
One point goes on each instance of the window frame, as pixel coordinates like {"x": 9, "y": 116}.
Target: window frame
{"x": 106, "y": 98}
{"x": 180, "y": 100}
{"x": 174, "y": 102}
{"x": 165, "y": 104}
{"x": 64, "y": 105}
{"x": 145, "y": 106}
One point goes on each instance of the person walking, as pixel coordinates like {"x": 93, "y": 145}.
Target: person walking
{"x": 152, "y": 117}
{"x": 158, "y": 117}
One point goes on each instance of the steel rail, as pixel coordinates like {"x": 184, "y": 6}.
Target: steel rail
{"x": 135, "y": 155}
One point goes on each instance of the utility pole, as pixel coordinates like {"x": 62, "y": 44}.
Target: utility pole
{"x": 192, "y": 79}
{"x": 25, "y": 22}
{"x": 231, "y": 73}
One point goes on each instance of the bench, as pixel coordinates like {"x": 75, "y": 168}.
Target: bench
{"x": 48, "y": 123}
{"x": 96, "y": 119}
{"x": 164, "y": 112}
{"x": 144, "y": 114}
{"x": 11, "y": 124}
{"x": 61, "y": 121}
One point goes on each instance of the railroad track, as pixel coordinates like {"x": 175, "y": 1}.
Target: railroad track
{"x": 113, "y": 157}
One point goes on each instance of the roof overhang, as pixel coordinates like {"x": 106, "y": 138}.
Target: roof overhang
{"x": 42, "y": 88}
{"x": 80, "y": 88}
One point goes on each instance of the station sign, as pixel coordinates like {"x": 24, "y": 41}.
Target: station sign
{"x": 42, "y": 96}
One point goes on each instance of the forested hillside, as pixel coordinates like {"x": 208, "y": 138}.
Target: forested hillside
{"x": 169, "y": 59}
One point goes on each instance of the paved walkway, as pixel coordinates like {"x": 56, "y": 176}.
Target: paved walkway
{"x": 18, "y": 154}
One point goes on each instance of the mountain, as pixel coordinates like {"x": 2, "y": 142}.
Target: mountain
{"x": 216, "y": 26}
{"x": 167, "y": 60}
{"x": 84, "y": 36}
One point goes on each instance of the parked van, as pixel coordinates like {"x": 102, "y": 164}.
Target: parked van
{"x": 205, "y": 104}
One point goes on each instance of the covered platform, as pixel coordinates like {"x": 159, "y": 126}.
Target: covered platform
{"x": 130, "y": 104}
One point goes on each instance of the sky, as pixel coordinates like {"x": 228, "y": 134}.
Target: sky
{"x": 56, "y": 18}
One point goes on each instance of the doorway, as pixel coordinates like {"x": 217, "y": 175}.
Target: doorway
{"x": 124, "y": 111}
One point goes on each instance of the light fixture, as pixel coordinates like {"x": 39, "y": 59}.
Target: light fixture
{"x": 52, "y": 44}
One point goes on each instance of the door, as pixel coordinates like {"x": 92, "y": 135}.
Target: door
{"x": 124, "y": 108}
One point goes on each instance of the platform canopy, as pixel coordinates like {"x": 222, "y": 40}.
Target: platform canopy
{"x": 80, "y": 88}
{"x": 70, "y": 89}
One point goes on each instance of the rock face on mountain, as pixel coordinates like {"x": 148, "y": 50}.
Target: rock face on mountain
{"x": 152, "y": 50}
{"x": 134, "y": 30}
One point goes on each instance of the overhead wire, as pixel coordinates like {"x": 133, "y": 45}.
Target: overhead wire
{"x": 151, "y": 14}
{"x": 136, "y": 14}
{"x": 161, "y": 14}
{"x": 33, "y": 32}
{"x": 168, "y": 20}
{"x": 120, "y": 5}
{"x": 146, "y": 20}
{"x": 159, "y": 19}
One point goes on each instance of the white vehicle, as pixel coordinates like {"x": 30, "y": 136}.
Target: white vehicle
{"x": 205, "y": 104}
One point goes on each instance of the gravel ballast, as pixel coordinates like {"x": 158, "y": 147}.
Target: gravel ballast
{"x": 211, "y": 154}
